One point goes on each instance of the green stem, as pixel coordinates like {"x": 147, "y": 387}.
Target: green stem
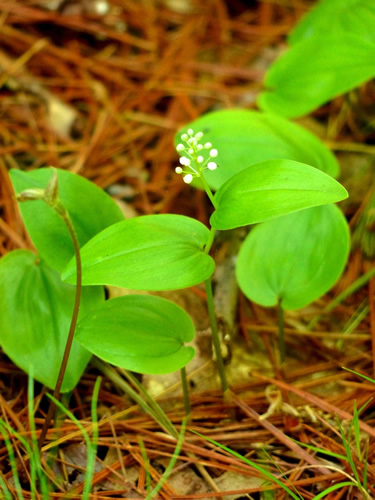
{"x": 280, "y": 312}
{"x": 185, "y": 390}
{"x": 210, "y": 240}
{"x": 73, "y": 323}
{"x": 210, "y": 301}
{"x": 215, "y": 336}
{"x": 208, "y": 191}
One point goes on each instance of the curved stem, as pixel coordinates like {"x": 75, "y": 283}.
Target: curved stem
{"x": 73, "y": 323}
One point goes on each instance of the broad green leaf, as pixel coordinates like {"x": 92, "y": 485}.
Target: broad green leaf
{"x": 151, "y": 252}
{"x": 142, "y": 333}
{"x": 36, "y": 307}
{"x": 316, "y": 70}
{"x": 89, "y": 207}
{"x": 244, "y": 138}
{"x": 295, "y": 258}
{"x": 271, "y": 189}
{"x": 334, "y": 16}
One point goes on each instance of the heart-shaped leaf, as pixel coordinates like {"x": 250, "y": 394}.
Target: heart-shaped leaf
{"x": 142, "y": 333}
{"x": 316, "y": 70}
{"x": 151, "y": 252}
{"x": 36, "y": 308}
{"x": 271, "y": 189}
{"x": 335, "y": 16}
{"x": 244, "y": 138}
{"x": 294, "y": 259}
{"x": 89, "y": 207}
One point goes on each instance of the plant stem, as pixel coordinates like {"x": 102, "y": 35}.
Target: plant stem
{"x": 280, "y": 312}
{"x": 210, "y": 240}
{"x": 215, "y": 336}
{"x": 73, "y": 323}
{"x": 210, "y": 302}
{"x": 185, "y": 390}
{"x": 208, "y": 190}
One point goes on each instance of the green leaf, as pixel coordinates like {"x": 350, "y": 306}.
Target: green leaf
{"x": 142, "y": 333}
{"x": 271, "y": 189}
{"x": 36, "y": 308}
{"x": 295, "y": 258}
{"x": 334, "y": 16}
{"x": 244, "y": 138}
{"x": 316, "y": 70}
{"x": 89, "y": 207}
{"x": 151, "y": 252}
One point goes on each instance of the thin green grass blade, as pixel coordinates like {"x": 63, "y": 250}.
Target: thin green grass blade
{"x": 91, "y": 451}
{"x": 146, "y": 462}
{"x": 281, "y": 472}
{"x": 356, "y": 285}
{"x": 158, "y": 411}
{"x": 4, "y": 488}
{"x": 320, "y": 450}
{"x": 365, "y": 466}
{"x": 4, "y": 429}
{"x": 151, "y": 407}
{"x": 36, "y": 468}
{"x": 171, "y": 464}
{"x": 348, "y": 450}
{"x": 252, "y": 464}
{"x": 359, "y": 374}
{"x": 354, "y": 322}
{"x": 334, "y": 487}
{"x": 357, "y": 431}
{"x": 91, "y": 448}
{"x": 35, "y": 464}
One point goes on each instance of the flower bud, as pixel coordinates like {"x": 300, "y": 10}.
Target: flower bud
{"x": 188, "y": 178}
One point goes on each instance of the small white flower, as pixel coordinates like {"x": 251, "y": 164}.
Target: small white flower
{"x": 190, "y": 131}
{"x": 185, "y": 161}
{"x": 188, "y": 178}
{"x": 213, "y": 153}
{"x": 211, "y": 165}
{"x": 101, "y": 7}
{"x": 199, "y": 136}
{"x": 178, "y": 170}
{"x": 200, "y": 159}
{"x": 208, "y": 145}
{"x": 180, "y": 147}
{"x": 184, "y": 137}
{"x": 190, "y": 151}
{"x": 199, "y": 147}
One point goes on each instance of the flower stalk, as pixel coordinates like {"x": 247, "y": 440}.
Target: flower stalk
{"x": 196, "y": 160}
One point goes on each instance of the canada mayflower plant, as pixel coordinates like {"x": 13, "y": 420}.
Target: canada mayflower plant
{"x": 195, "y": 159}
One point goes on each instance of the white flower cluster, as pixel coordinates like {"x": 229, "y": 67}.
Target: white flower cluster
{"x": 193, "y": 159}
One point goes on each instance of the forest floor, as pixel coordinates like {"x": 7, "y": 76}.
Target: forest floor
{"x": 100, "y": 88}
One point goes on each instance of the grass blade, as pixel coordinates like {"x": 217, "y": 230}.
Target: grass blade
{"x": 259, "y": 468}
{"x": 170, "y": 466}
{"x": 334, "y": 487}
